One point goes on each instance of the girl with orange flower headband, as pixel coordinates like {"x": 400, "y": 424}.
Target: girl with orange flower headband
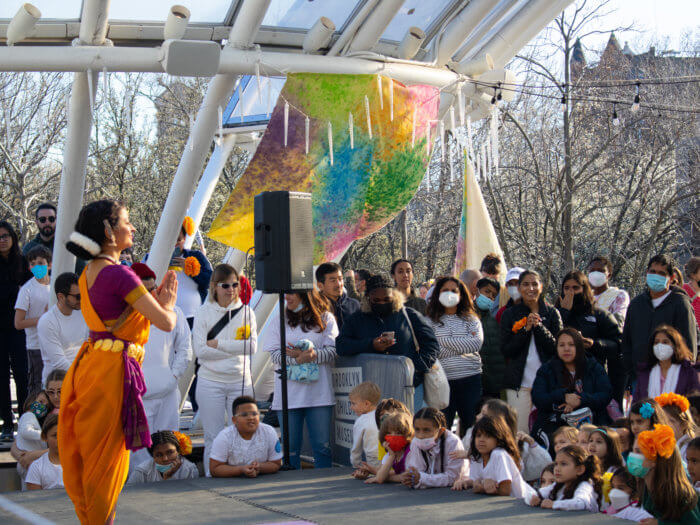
{"x": 166, "y": 459}
{"x": 677, "y": 412}
{"x": 668, "y": 495}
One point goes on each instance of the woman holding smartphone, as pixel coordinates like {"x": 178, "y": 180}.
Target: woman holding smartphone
{"x": 459, "y": 333}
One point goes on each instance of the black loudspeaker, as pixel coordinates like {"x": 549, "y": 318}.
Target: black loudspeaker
{"x": 284, "y": 242}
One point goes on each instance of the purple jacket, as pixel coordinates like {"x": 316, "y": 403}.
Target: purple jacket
{"x": 687, "y": 381}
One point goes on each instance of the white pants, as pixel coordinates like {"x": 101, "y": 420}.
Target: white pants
{"x": 521, "y": 401}
{"x": 215, "y": 400}
{"x": 162, "y": 413}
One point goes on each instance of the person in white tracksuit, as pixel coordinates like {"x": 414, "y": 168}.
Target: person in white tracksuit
{"x": 167, "y": 355}
{"x": 224, "y": 357}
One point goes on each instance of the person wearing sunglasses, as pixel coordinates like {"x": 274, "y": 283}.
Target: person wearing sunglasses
{"x": 45, "y": 216}
{"x": 62, "y": 329}
{"x": 224, "y": 338}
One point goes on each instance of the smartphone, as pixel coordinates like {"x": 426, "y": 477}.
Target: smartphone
{"x": 177, "y": 252}
{"x": 388, "y": 335}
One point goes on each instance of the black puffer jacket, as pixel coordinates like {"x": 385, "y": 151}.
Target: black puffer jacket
{"x": 515, "y": 346}
{"x": 598, "y": 325}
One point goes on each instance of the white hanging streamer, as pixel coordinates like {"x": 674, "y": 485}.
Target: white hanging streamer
{"x": 269, "y": 97}
{"x": 441, "y": 130}
{"x": 369, "y": 120}
{"x": 286, "y": 122}
{"x": 307, "y": 124}
{"x": 351, "y": 130}
{"x": 484, "y": 161}
{"x": 190, "y": 141}
{"x": 391, "y": 100}
{"x": 257, "y": 78}
{"x": 460, "y": 104}
{"x": 413, "y": 129}
{"x": 470, "y": 142}
{"x": 450, "y": 160}
{"x": 240, "y": 100}
{"x": 220, "y": 138}
{"x": 427, "y": 139}
{"x": 381, "y": 95}
{"x": 453, "y": 122}
{"x": 478, "y": 166}
{"x": 494, "y": 140}
{"x": 91, "y": 90}
{"x": 330, "y": 141}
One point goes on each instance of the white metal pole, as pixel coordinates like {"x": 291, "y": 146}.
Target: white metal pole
{"x": 207, "y": 184}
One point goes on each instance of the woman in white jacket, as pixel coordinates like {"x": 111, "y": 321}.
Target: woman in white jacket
{"x": 224, "y": 358}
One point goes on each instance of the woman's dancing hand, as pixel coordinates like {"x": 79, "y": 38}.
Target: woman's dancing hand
{"x": 166, "y": 293}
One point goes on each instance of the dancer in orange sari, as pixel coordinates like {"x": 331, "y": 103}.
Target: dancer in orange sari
{"x": 102, "y": 415}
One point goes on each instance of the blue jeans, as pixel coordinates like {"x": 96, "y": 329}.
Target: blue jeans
{"x": 418, "y": 398}
{"x": 318, "y": 423}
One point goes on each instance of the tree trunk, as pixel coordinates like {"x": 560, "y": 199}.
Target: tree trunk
{"x": 403, "y": 225}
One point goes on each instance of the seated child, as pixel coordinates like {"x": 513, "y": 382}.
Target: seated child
{"x": 584, "y": 432}
{"x": 246, "y": 448}
{"x": 547, "y": 477}
{"x": 564, "y": 436}
{"x": 624, "y": 497}
{"x": 692, "y": 454}
{"x": 28, "y": 438}
{"x": 622, "y": 427}
{"x": 605, "y": 444}
{"x": 677, "y": 409}
{"x": 494, "y": 461}
{"x": 365, "y": 434}
{"x": 644, "y": 414}
{"x": 694, "y": 401}
{"x": 395, "y": 433}
{"x": 384, "y": 409}
{"x": 430, "y": 462}
{"x": 577, "y": 486}
{"x": 46, "y": 472}
{"x": 166, "y": 460}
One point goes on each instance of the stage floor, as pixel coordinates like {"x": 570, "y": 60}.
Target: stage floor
{"x": 324, "y": 496}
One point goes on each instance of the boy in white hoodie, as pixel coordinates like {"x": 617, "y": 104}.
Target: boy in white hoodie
{"x": 365, "y": 435}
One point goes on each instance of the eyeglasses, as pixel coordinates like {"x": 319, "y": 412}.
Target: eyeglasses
{"x": 51, "y": 219}
{"x": 226, "y": 286}
{"x": 248, "y": 414}
{"x": 5, "y": 237}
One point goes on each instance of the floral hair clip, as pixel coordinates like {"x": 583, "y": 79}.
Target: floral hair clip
{"x": 188, "y": 226}
{"x": 185, "y": 443}
{"x": 657, "y": 442}
{"x": 647, "y": 411}
{"x": 671, "y": 398}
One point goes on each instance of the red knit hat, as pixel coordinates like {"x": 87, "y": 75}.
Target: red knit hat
{"x": 143, "y": 271}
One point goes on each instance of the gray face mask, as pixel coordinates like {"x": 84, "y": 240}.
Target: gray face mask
{"x": 382, "y": 309}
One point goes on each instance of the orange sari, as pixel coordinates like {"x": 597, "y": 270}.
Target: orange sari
{"x": 91, "y": 438}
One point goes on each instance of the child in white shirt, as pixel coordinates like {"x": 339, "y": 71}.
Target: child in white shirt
{"x": 32, "y": 302}
{"x": 494, "y": 460}
{"x": 578, "y": 484}
{"x": 624, "y": 497}
{"x": 166, "y": 460}
{"x": 46, "y": 472}
{"x": 431, "y": 462}
{"x": 365, "y": 434}
{"x": 28, "y": 438}
{"x": 246, "y": 448}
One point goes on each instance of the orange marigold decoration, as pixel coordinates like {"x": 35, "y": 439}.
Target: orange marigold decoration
{"x": 671, "y": 398}
{"x": 657, "y": 442}
{"x": 188, "y": 225}
{"x": 192, "y": 266}
{"x": 185, "y": 443}
{"x": 519, "y": 325}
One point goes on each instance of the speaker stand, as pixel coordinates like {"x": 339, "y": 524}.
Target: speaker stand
{"x": 286, "y": 464}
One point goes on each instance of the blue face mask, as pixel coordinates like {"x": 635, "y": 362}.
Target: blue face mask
{"x": 483, "y": 302}
{"x": 163, "y": 468}
{"x": 40, "y": 271}
{"x": 635, "y": 465}
{"x": 656, "y": 283}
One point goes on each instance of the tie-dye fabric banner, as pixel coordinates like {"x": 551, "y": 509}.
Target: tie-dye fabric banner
{"x": 477, "y": 236}
{"x": 369, "y": 181}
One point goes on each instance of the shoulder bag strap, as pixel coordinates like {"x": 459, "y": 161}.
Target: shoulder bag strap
{"x": 413, "y": 333}
{"x": 221, "y": 323}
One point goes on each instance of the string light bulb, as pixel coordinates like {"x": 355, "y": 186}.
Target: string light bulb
{"x": 615, "y": 118}
{"x": 635, "y": 105}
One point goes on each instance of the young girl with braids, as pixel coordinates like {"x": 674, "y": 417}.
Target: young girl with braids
{"x": 578, "y": 485}
{"x": 429, "y": 462}
{"x": 668, "y": 495}
{"x": 494, "y": 461}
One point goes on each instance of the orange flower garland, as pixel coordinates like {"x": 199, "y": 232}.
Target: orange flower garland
{"x": 657, "y": 442}
{"x": 192, "y": 266}
{"x": 671, "y": 398}
{"x": 185, "y": 443}
{"x": 188, "y": 225}
{"x": 518, "y": 325}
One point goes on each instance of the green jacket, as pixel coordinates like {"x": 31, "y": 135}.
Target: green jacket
{"x": 492, "y": 360}
{"x": 691, "y": 517}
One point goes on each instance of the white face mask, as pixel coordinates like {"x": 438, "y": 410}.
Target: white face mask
{"x": 619, "y": 499}
{"x": 424, "y": 443}
{"x": 514, "y": 292}
{"x": 449, "y": 299}
{"x": 663, "y": 352}
{"x": 597, "y": 279}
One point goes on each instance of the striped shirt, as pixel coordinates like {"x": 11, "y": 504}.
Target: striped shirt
{"x": 460, "y": 341}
